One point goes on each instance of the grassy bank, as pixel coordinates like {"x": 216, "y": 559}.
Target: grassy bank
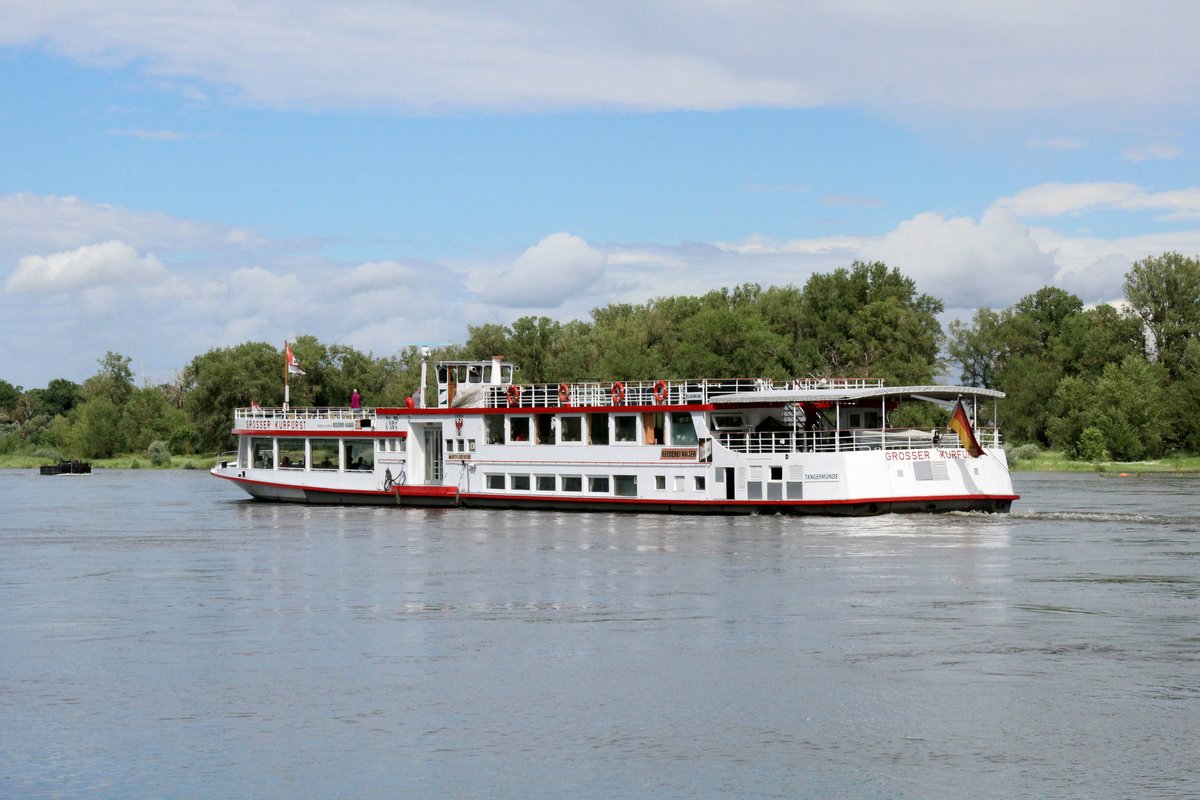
{"x": 1053, "y": 461}
{"x": 132, "y": 461}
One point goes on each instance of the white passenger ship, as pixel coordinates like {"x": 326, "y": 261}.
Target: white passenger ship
{"x": 682, "y": 446}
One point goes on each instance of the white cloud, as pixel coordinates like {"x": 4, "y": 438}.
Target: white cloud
{"x": 557, "y": 268}
{"x": 1101, "y": 281}
{"x": 111, "y": 263}
{"x": 1057, "y": 143}
{"x": 990, "y": 263}
{"x": 430, "y": 56}
{"x": 1152, "y": 151}
{"x": 1058, "y": 199}
{"x": 31, "y": 223}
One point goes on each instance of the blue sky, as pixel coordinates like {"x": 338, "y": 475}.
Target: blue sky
{"x": 177, "y": 177}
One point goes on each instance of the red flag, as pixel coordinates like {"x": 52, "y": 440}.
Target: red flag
{"x": 293, "y": 364}
{"x": 962, "y": 426}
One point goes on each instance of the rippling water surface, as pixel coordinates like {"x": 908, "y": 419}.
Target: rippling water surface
{"x": 162, "y": 637}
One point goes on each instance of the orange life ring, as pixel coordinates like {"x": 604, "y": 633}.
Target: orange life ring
{"x": 514, "y": 394}
{"x": 618, "y": 393}
{"x": 661, "y": 390}
{"x": 564, "y": 395}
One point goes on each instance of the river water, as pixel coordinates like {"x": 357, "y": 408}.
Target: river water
{"x": 160, "y": 636}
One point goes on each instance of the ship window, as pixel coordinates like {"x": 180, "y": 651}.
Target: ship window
{"x": 291, "y": 454}
{"x": 660, "y": 482}
{"x": 494, "y": 425}
{"x": 519, "y": 482}
{"x": 449, "y": 445}
{"x": 545, "y": 428}
{"x": 263, "y": 453}
{"x": 727, "y": 422}
{"x": 598, "y": 484}
{"x": 625, "y": 485}
{"x": 518, "y": 429}
{"x": 699, "y": 483}
{"x": 683, "y": 429}
{"x": 776, "y": 473}
{"x": 570, "y": 429}
{"x": 475, "y": 374}
{"x": 471, "y": 445}
{"x": 441, "y": 373}
{"x": 325, "y": 453}
{"x": 493, "y": 481}
{"x": 360, "y": 455}
{"x": 572, "y": 483}
{"x": 679, "y": 481}
{"x": 545, "y": 483}
{"x": 506, "y": 373}
{"x": 625, "y": 428}
{"x": 598, "y": 428}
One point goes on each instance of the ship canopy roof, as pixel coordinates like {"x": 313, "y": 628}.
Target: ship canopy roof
{"x": 839, "y": 394}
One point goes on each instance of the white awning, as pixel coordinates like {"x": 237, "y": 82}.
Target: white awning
{"x": 840, "y": 395}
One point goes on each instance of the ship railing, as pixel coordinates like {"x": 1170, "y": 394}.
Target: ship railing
{"x": 584, "y": 394}
{"x": 831, "y": 441}
{"x": 304, "y": 413}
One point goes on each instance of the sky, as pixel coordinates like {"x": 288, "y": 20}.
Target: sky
{"x": 180, "y": 176}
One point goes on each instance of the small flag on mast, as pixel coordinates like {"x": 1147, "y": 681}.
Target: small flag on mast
{"x": 962, "y": 426}
{"x": 293, "y": 364}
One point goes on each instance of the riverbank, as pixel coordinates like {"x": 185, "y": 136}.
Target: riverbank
{"x": 129, "y": 461}
{"x": 1054, "y": 461}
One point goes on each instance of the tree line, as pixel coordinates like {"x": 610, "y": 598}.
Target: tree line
{"x": 1095, "y": 382}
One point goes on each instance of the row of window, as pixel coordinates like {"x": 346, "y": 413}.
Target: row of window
{"x": 618, "y": 485}
{"x": 321, "y": 454}
{"x": 675, "y": 428}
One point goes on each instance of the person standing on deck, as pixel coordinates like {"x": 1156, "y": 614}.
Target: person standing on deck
{"x": 355, "y": 401}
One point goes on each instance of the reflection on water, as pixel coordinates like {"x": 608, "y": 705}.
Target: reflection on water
{"x": 162, "y": 637}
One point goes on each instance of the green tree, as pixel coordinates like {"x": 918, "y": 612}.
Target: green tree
{"x": 979, "y": 348}
{"x": 1165, "y": 292}
{"x": 1182, "y": 399}
{"x": 9, "y": 395}
{"x": 1089, "y": 341}
{"x": 60, "y": 396}
{"x": 1124, "y": 403}
{"x": 97, "y": 428}
{"x": 147, "y": 417}
{"x": 1130, "y": 395}
{"x": 841, "y": 334}
{"x": 114, "y": 381}
{"x": 227, "y": 378}
{"x": 532, "y": 344}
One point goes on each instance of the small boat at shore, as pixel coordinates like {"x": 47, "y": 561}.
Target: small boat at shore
{"x": 65, "y": 467}
{"x": 737, "y": 446}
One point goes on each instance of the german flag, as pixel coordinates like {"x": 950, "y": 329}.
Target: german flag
{"x": 962, "y": 426}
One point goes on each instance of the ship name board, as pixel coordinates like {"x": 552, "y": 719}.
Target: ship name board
{"x": 924, "y": 455}
{"x": 821, "y": 476}
{"x": 458, "y": 456}
{"x": 677, "y": 452}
